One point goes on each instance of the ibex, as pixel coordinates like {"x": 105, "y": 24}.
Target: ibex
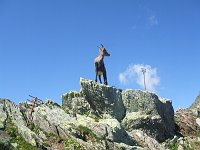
{"x": 99, "y": 64}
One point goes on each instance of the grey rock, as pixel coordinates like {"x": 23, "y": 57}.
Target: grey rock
{"x": 146, "y": 141}
{"x": 4, "y": 140}
{"x": 148, "y": 112}
{"x": 186, "y": 122}
{"x": 115, "y": 132}
{"x": 42, "y": 135}
{"x": 17, "y": 118}
{"x": 95, "y": 99}
{"x": 195, "y": 107}
{"x": 121, "y": 146}
{"x": 57, "y": 121}
{"x": 180, "y": 147}
{"x": 103, "y": 99}
{"x": 75, "y": 102}
{"x": 138, "y": 109}
{"x": 80, "y": 144}
{"x": 14, "y": 145}
{"x": 186, "y": 143}
{"x": 53, "y": 120}
{"x": 96, "y": 117}
{"x": 14, "y": 112}
{"x": 181, "y": 140}
{"x": 3, "y": 115}
{"x": 198, "y": 121}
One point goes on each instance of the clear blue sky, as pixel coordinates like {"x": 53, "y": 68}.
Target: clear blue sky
{"x": 47, "y": 45}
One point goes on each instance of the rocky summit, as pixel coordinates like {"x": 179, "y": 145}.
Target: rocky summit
{"x": 98, "y": 117}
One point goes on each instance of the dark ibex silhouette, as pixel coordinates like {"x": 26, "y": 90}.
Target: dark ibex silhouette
{"x": 99, "y": 64}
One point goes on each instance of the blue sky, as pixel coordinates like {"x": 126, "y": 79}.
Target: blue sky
{"x": 46, "y": 46}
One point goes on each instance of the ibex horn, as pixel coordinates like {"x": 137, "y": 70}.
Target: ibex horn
{"x": 101, "y": 46}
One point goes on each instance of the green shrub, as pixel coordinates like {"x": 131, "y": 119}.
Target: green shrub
{"x": 1, "y": 145}
{"x": 17, "y": 138}
{"x": 65, "y": 109}
{"x": 173, "y": 146}
{"x": 11, "y": 130}
{"x": 198, "y": 135}
{"x": 45, "y": 144}
{"x": 88, "y": 133}
{"x": 72, "y": 144}
{"x": 22, "y": 144}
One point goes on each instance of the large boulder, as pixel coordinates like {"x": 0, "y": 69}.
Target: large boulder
{"x": 102, "y": 100}
{"x": 195, "y": 107}
{"x": 4, "y": 141}
{"x": 186, "y": 122}
{"x": 148, "y": 112}
{"x": 57, "y": 121}
{"x": 136, "y": 109}
{"x": 16, "y": 117}
{"x": 75, "y": 102}
{"x": 53, "y": 120}
{"x": 146, "y": 141}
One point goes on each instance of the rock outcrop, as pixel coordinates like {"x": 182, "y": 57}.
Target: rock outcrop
{"x": 95, "y": 99}
{"x": 13, "y": 113}
{"x": 49, "y": 121}
{"x": 96, "y": 117}
{"x": 146, "y": 141}
{"x": 195, "y": 107}
{"x": 134, "y": 108}
{"x": 186, "y": 122}
{"x": 148, "y": 112}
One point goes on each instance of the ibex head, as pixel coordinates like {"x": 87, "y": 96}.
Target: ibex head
{"x": 103, "y": 51}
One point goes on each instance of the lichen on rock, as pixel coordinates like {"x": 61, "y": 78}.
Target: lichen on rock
{"x": 75, "y": 102}
{"x": 148, "y": 112}
{"x": 186, "y": 122}
{"x": 135, "y": 108}
{"x": 3, "y": 115}
{"x": 96, "y": 117}
{"x": 98, "y": 99}
{"x": 195, "y": 107}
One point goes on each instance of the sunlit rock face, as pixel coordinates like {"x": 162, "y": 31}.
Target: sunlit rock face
{"x": 97, "y": 99}
{"x": 148, "y": 112}
{"x": 96, "y": 117}
{"x": 136, "y": 109}
{"x": 195, "y": 107}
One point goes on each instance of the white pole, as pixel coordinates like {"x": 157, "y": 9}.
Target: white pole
{"x": 144, "y": 71}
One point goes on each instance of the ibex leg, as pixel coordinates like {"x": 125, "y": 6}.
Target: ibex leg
{"x": 96, "y": 71}
{"x": 96, "y": 78}
{"x": 100, "y": 78}
{"x": 105, "y": 77}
